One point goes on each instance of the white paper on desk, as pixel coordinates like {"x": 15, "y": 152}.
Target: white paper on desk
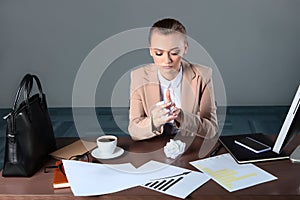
{"x": 179, "y": 184}
{"x": 232, "y": 176}
{"x": 87, "y": 179}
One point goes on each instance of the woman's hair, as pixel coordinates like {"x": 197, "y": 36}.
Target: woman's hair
{"x": 167, "y": 26}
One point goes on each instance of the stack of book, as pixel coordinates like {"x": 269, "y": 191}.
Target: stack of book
{"x": 59, "y": 178}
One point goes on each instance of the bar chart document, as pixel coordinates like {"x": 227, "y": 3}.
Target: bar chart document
{"x": 179, "y": 185}
{"x": 232, "y": 176}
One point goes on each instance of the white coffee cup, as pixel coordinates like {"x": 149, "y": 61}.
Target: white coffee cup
{"x": 107, "y": 144}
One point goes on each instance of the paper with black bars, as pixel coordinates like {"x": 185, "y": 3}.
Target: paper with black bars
{"x": 179, "y": 185}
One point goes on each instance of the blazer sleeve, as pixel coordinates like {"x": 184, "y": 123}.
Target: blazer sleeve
{"x": 140, "y": 126}
{"x": 203, "y": 122}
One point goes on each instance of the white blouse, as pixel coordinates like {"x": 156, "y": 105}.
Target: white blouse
{"x": 174, "y": 86}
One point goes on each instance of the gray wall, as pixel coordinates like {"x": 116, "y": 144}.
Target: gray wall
{"x": 254, "y": 43}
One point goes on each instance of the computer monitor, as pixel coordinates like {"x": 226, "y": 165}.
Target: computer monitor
{"x": 291, "y": 125}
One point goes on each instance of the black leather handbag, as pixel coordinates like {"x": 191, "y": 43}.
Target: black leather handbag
{"x": 29, "y": 132}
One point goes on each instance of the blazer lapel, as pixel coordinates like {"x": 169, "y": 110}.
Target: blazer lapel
{"x": 152, "y": 88}
{"x": 189, "y": 88}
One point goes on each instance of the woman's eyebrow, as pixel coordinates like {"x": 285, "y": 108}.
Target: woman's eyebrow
{"x": 175, "y": 48}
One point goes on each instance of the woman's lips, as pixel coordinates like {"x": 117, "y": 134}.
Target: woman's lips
{"x": 167, "y": 67}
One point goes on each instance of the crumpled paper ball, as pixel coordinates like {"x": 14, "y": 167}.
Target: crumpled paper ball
{"x": 174, "y": 148}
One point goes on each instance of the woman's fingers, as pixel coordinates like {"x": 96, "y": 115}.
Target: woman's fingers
{"x": 164, "y": 113}
{"x": 168, "y": 96}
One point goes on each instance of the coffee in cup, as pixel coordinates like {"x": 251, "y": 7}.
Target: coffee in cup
{"x": 107, "y": 144}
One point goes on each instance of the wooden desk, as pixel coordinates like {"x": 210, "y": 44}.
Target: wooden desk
{"x": 40, "y": 185}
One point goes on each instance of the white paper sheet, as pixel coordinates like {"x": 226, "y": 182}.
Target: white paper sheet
{"x": 232, "y": 176}
{"x": 87, "y": 179}
{"x": 178, "y": 185}
{"x": 172, "y": 180}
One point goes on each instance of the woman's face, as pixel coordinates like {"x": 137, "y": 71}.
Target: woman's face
{"x": 167, "y": 51}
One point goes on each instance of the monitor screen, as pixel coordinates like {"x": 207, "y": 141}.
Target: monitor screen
{"x": 291, "y": 125}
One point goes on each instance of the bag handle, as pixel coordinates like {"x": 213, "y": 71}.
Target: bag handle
{"x": 24, "y": 81}
{"x": 27, "y": 83}
{"x": 28, "y": 89}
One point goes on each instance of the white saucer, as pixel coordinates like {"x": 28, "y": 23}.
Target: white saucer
{"x": 97, "y": 154}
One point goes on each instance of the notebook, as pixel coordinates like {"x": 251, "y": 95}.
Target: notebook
{"x": 244, "y": 155}
{"x": 59, "y": 178}
{"x": 290, "y": 127}
{"x": 76, "y": 148}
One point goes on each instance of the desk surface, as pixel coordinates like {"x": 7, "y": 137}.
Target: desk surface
{"x": 40, "y": 185}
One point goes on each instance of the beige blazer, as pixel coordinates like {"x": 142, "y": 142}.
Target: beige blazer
{"x": 197, "y": 101}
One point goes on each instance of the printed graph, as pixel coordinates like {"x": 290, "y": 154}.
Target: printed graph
{"x": 225, "y": 176}
{"x": 179, "y": 185}
{"x": 229, "y": 174}
{"x": 163, "y": 185}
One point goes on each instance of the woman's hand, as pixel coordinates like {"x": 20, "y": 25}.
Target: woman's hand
{"x": 161, "y": 114}
{"x": 173, "y": 109}
{"x": 164, "y": 112}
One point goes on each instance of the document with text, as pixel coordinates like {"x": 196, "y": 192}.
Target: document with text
{"x": 229, "y": 174}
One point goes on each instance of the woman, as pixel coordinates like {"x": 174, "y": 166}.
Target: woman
{"x": 171, "y": 95}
